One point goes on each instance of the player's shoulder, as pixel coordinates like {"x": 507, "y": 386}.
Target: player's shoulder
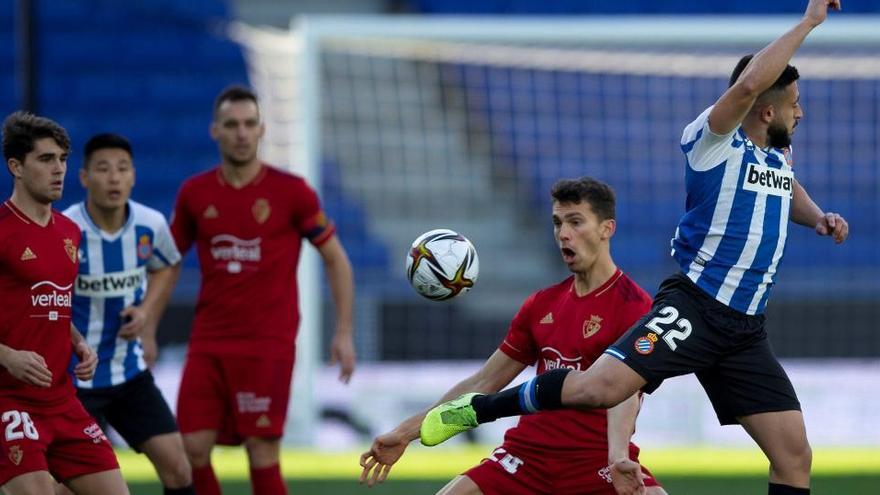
{"x": 64, "y": 222}
{"x": 630, "y": 291}
{"x": 145, "y": 215}
{"x": 74, "y": 212}
{"x": 203, "y": 179}
{"x": 278, "y": 175}
{"x": 552, "y": 292}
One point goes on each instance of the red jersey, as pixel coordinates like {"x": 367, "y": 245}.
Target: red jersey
{"x": 248, "y": 241}
{"x": 38, "y": 267}
{"x": 557, "y": 328}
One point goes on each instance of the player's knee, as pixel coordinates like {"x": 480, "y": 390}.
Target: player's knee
{"x": 795, "y": 462}
{"x": 262, "y": 452}
{"x": 198, "y": 453}
{"x": 178, "y": 475}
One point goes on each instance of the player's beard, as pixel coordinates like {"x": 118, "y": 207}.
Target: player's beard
{"x": 239, "y": 162}
{"x": 778, "y": 136}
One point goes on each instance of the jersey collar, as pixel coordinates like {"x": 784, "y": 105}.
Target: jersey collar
{"x": 129, "y": 220}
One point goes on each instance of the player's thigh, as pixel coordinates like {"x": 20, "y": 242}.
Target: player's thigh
{"x": 100, "y": 483}
{"x": 33, "y": 483}
{"x": 260, "y": 390}
{"x": 140, "y": 413}
{"x": 782, "y": 436}
{"x": 460, "y": 485}
{"x": 167, "y": 455}
{"x": 747, "y": 381}
{"x": 79, "y": 447}
{"x": 512, "y": 471}
{"x": 202, "y": 402}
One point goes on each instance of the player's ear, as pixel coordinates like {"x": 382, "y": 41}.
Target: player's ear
{"x": 607, "y": 228}
{"x": 212, "y": 130}
{"x": 83, "y": 177}
{"x": 14, "y": 167}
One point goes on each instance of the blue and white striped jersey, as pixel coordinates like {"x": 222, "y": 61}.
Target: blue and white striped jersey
{"x": 113, "y": 275}
{"x": 732, "y": 236}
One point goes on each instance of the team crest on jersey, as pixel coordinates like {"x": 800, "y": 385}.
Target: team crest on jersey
{"x": 15, "y": 454}
{"x": 95, "y": 433}
{"x": 261, "y": 210}
{"x": 644, "y": 345}
{"x": 145, "y": 247}
{"x": 70, "y": 249}
{"x": 786, "y": 152}
{"x": 591, "y": 326}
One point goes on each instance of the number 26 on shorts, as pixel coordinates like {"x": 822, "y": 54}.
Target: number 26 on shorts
{"x": 670, "y": 334}
{"x": 19, "y": 426}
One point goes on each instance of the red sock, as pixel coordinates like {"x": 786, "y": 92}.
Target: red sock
{"x": 205, "y": 481}
{"x": 268, "y": 481}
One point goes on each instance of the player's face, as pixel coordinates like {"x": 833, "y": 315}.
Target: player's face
{"x": 580, "y": 234}
{"x": 787, "y": 114}
{"x": 41, "y": 174}
{"x": 108, "y": 177}
{"x": 237, "y": 130}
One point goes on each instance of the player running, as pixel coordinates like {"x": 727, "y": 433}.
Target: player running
{"x": 567, "y": 325}
{"x": 46, "y": 432}
{"x": 248, "y": 220}
{"x": 708, "y": 319}
{"x": 125, "y": 279}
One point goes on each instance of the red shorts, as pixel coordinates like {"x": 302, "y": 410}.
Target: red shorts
{"x": 516, "y": 471}
{"x": 237, "y": 396}
{"x": 67, "y": 443}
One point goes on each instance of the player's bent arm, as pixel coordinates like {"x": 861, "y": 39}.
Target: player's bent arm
{"x": 496, "y": 373}
{"x": 621, "y": 426}
{"x": 804, "y": 211}
{"x": 160, "y": 284}
{"x": 766, "y": 66}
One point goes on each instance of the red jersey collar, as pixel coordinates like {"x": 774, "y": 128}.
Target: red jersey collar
{"x": 598, "y": 291}
{"x": 264, "y": 169}
{"x": 26, "y": 219}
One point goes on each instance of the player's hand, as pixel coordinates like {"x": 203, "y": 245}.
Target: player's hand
{"x": 342, "y": 352}
{"x": 834, "y": 225}
{"x": 88, "y": 361}
{"x": 817, "y": 11}
{"x": 626, "y": 476}
{"x": 135, "y": 318}
{"x": 384, "y": 452}
{"x": 151, "y": 350}
{"x": 28, "y": 367}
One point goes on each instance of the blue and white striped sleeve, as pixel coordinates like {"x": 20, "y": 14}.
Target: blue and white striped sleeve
{"x": 165, "y": 252}
{"x": 703, "y": 148}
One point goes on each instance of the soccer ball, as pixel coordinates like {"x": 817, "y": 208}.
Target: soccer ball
{"x": 442, "y": 264}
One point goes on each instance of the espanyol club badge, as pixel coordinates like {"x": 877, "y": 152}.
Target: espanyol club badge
{"x": 144, "y": 247}
{"x": 644, "y": 345}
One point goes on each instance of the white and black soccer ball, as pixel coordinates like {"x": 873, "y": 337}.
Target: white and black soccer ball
{"x": 442, "y": 264}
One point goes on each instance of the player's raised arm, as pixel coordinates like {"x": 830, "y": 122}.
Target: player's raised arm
{"x": 763, "y": 70}
{"x": 498, "y": 371}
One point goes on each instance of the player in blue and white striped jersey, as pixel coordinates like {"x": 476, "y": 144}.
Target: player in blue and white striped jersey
{"x": 126, "y": 273}
{"x": 708, "y": 319}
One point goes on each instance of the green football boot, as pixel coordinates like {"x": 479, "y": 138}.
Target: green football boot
{"x": 448, "y": 419}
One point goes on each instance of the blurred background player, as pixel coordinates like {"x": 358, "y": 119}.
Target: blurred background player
{"x": 47, "y": 432}
{"x": 708, "y": 319}
{"x": 247, "y": 220}
{"x": 566, "y": 325}
{"x": 125, "y": 279}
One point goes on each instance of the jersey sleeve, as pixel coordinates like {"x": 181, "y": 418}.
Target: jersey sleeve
{"x": 183, "y": 224}
{"x": 310, "y": 220}
{"x": 165, "y": 251}
{"x": 519, "y": 343}
{"x": 703, "y": 148}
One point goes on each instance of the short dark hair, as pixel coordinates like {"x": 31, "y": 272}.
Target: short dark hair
{"x": 788, "y": 76}
{"x": 103, "y": 142}
{"x": 597, "y": 194}
{"x": 236, "y": 92}
{"x": 22, "y": 129}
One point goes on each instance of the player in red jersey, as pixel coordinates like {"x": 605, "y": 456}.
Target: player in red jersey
{"x": 566, "y": 325}
{"x": 46, "y": 431}
{"x": 247, "y": 220}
